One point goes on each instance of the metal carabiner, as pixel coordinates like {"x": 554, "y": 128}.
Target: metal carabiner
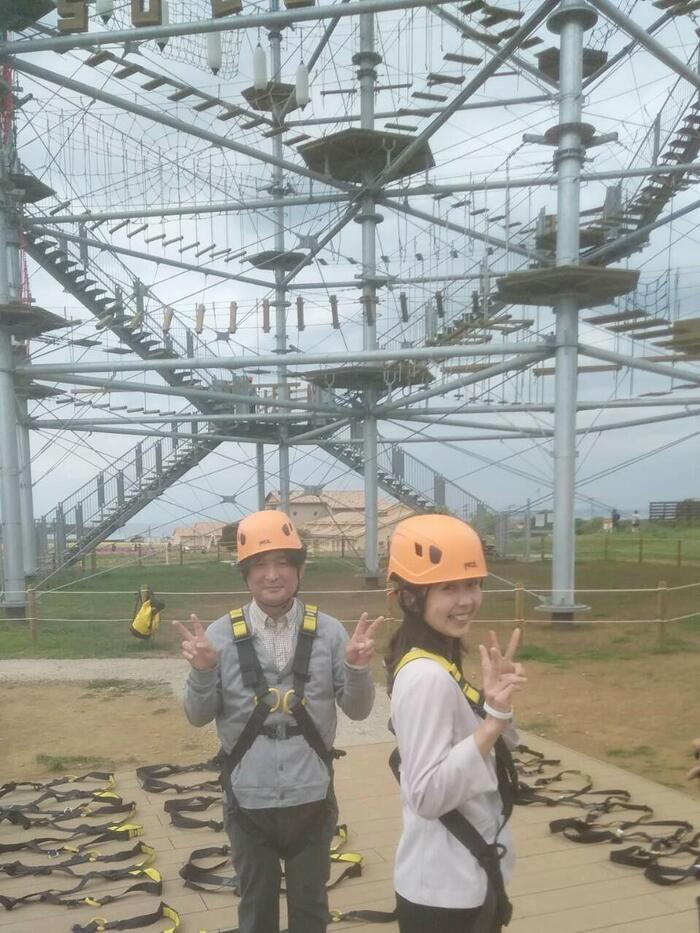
{"x": 275, "y": 691}
{"x": 287, "y": 704}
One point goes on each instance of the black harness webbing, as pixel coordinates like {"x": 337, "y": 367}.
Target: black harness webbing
{"x": 105, "y": 776}
{"x": 100, "y": 834}
{"x": 152, "y": 884}
{"x": 19, "y": 870}
{"x": 152, "y": 777}
{"x": 29, "y": 815}
{"x": 497, "y": 909}
{"x": 202, "y": 878}
{"x": 164, "y": 911}
{"x": 177, "y": 808}
{"x": 267, "y": 699}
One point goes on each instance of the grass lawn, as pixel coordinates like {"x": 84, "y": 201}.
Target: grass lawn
{"x": 90, "y": 616}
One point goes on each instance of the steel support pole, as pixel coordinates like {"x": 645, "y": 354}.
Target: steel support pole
{"x": 260, "y": 474}
{"x": 277, "y": 192}
{"x": 13, "y": 599}
{"x": 572, "y": 19}
{"x": 11, "y": 519}
{"x": 366, "y": 60}
{"x": 26, "y": 502}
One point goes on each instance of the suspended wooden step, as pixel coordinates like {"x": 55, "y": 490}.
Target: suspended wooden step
{"x": 427, "y": 95}
{"x": 401, "y": 127}
{"x": 590, "y": 285}
{"x": 462, "y": 59}
{"x": 626, "y": 315}
{"x": 435, "y": 77}
{"x": 32, "y": 189}
{"x": 25, "y": 320}
{"x": 650, "y": 334}
{"x": 592, "y": 368}
{"x": 650, "y": 323}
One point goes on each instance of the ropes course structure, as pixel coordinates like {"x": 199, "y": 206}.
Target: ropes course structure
{"x": 325, "y": 232}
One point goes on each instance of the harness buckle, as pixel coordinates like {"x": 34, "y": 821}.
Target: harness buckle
{"x": 290, "y": 700}
{"x": 274, "y": 704}
{"x": 101, "y": 922}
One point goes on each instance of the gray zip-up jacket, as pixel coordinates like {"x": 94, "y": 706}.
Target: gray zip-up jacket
{"x": 278, "y": 773}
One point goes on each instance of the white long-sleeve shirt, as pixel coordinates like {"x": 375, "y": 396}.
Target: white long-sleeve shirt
{"x": 441, "y": 769}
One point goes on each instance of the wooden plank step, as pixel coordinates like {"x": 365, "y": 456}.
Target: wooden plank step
{"x": 616, "y": 316}
{"x": 638, "y": 325}
{"x": 426, "y": 95}
{"x": 593, "y": 368}
{"x": 650, "y": 334}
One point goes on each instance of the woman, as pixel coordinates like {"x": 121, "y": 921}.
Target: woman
{"x": 457, "y": 778}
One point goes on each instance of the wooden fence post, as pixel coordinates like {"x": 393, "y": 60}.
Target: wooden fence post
{"x": 31, "y": 612}
{"x": 140, "y": 553}
{"x": 167, "y": 554}
{"x": 218, "y": 552}
{"x": 679, "y": 552}
{"x": 519, "y": 604}
{"x": 606, "y": 539}
{"x": 661, "y": 612}
{"x": 93, "y": 559}
{"x": 182, "y": 559}
{"x": 640, "y": 559}
{"x": 542, "y": 547}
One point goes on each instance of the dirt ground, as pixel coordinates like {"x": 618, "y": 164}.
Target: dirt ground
{"x": 639, "y": 714}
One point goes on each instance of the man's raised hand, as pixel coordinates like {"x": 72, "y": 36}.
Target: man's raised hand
{"x": 196, "y": 647}
{"x": 360, "y": 649}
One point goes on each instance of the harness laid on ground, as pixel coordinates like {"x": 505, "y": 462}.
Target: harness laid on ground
{"x": 104, "y": 833}
{"x": 164, "y": 911}
{"x": 151, "y": 883}
{"x": 152, "y": 777}
{"x": 269, "y": 700}
{"x": 178, "y": 807}
{"x": 91, "y": 856}
{"x": 105, "y": 776}
{"x": 497, "y": 909}
{"x": 29, "y": 814}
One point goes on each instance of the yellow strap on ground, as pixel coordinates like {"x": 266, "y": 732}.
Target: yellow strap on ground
{"x": 471, "y": 693}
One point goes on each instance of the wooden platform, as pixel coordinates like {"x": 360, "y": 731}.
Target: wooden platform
{"x": 558, "y": 887}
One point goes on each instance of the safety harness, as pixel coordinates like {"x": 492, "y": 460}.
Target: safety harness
{"x": 146, "y": 616}
{"x": 53, "y": 845}
{"x": 90, "y": 856}
{"x": 163, "y": 912}
{"x": 149, "y": 881}
{"x": 497, "y": 909}
{"x": 152, "y": 777}
{"x": 269, "y": 699}
{"x": 30, "y": 814}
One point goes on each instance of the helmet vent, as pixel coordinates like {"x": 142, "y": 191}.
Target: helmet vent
{"x": 435, "y": 554}
{"x": 286, "y": 529}
{"x": 419, "y": 549}
{"x": 241, "y": 538}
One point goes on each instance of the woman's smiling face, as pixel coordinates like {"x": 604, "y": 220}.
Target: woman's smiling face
{"x": 451, "y": 606}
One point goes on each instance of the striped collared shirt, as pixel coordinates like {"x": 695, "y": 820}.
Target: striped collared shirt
{"x": 277, "y": 635}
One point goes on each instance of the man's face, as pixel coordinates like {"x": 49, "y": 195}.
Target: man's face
{"x": 272, "y": 580}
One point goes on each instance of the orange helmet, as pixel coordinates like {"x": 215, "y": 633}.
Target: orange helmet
{"x": 428, "y": 549}
{"x": 270, "y": 530}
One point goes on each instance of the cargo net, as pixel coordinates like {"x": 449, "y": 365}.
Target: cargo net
{"x": 192, "y": 49}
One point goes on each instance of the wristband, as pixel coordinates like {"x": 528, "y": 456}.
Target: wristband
{"x": 497, "y": 713}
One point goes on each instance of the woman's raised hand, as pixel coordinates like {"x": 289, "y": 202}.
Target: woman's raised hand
{"x": 196, "y": 647}
{"x": 502, "y": 676}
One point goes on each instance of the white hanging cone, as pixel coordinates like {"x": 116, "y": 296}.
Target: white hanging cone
{"x": 165, "y": 21}
{"x": 214, "y": 51}
{"x": 302, "y": 86}
{"x": 104, "y": 9}
{"x": 259, "y": 68}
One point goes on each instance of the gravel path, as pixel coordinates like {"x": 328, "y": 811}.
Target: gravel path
{"x": 174, "y": 673}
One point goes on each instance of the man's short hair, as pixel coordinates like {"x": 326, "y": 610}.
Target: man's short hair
{"x": 293, "y": 555}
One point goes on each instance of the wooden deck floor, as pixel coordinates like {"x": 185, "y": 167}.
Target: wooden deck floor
{"x": 558, "y": 887}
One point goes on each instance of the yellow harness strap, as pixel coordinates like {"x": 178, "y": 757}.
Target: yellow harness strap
{"x": 240, "y": 628}
{"x": 471, "y": 693}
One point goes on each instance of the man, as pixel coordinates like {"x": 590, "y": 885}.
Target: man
{"x": 270, "y": 675}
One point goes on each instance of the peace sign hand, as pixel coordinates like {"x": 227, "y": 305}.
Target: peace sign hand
{"x": 507, "y": 663}
{"x": 196, "y": 647}
{"x": 501, "y": 676}
{"x": 360, "y": 649}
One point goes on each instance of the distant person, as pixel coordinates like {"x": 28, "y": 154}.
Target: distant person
{"x": 615, "y": 519}
{"x": 695, "y": 771}
{"x": 270, "y": 675}
{"x": 635, "y": 520}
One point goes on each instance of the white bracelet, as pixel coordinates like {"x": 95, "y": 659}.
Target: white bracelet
{"x": 497, "y": 713}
